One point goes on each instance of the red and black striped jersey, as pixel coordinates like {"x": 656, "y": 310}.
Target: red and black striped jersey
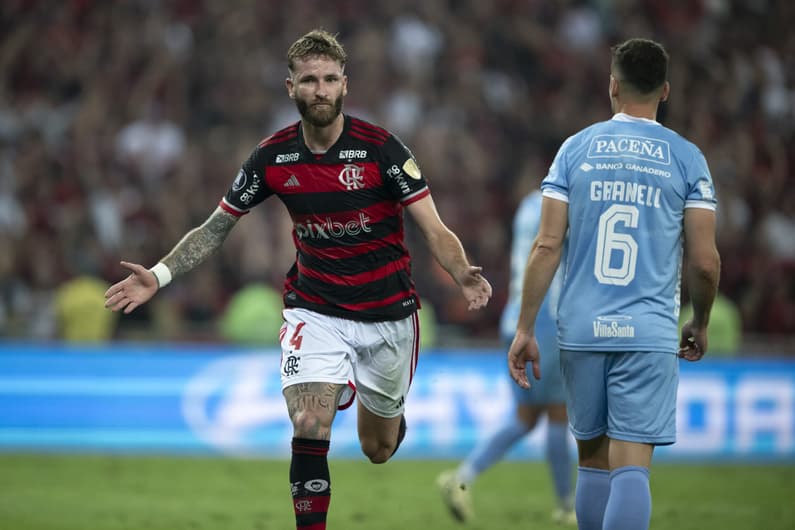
{"x": 347, "y": 212}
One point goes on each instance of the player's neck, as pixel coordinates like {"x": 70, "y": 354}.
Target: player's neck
{"x": 320, "y": 139}
{"x": 638, "y": 110}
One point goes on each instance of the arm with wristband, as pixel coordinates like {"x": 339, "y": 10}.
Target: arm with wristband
{"x": 194, "y": 248}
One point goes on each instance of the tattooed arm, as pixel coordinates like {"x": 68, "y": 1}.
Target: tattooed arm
{"x": 199, "y": 243}
{"x": 195, "y": 247}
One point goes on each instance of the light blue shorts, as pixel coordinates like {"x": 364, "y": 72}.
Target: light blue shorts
{"x": 549, "y": 389}
{"x": 629, "y": 396}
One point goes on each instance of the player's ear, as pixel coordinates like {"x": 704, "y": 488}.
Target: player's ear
{"x": 344, "y": 85}
{"x": 614, "y": 84}
{"x": 666, "y": 89}
{"x": 288, "y": 82}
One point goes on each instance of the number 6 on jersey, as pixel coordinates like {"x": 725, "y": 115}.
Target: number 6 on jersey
{"x": 608, "y": 241}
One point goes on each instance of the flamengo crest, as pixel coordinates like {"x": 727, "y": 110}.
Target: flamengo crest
{"x": 351, "y": 177}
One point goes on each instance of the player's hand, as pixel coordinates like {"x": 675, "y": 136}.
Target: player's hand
{"x": 476, "y": 288}
{"x": 134, "y": 290}
{"x": 693, "y": 344}
{"x": 523, "y": 350}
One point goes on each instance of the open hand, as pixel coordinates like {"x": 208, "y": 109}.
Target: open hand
{"x": 134, "y": 290}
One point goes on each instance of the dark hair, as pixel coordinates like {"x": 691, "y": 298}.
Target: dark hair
{"x": 317, "y": 42}
{"x": 642, "y": 63}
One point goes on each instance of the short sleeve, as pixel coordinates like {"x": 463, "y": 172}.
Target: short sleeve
{"x": 402, "y": 174}
{"x": 556, "y": 184}
{"x": 700, "y": 189}
{"x": 249, "y": 187}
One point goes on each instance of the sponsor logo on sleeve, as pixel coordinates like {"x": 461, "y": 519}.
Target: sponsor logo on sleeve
{"x": 250, "y": 192}
{"x": 397, "y": 175}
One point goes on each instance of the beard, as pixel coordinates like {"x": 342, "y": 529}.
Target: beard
{"x": 322, "y": 116}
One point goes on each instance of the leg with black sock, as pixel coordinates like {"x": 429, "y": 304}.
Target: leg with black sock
{"x": 310, "y": 483}
{"x": 312, "y": 407}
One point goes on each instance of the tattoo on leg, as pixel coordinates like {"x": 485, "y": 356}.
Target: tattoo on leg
{"x": 312, "y": 407}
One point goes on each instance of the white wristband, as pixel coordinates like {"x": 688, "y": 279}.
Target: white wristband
{"x": 162, "y": 274}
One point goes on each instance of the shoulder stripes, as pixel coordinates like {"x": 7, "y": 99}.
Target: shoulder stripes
{"x": 281, "y": 136}
{"x": 368, "y": 132}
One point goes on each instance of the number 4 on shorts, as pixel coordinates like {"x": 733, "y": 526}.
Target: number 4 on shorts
{"x": 295, "y": 340}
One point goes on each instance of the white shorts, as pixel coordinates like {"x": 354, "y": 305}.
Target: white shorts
{"x": 376, "y": 360}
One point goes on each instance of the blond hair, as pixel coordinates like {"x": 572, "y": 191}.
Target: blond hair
{"x": 317, "y": 42}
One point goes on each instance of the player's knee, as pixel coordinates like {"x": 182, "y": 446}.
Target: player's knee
{"x": 528, "y": 416}
{"x": 376, "y": 451}
{"x": 527, "y": 424}
{"x": 310, "y": 424}
{"x": 594, "y": 453}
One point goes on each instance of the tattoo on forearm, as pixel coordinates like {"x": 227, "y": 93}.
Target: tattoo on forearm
{"x": 199, "y": 243}
{"x": 319, "y": 400}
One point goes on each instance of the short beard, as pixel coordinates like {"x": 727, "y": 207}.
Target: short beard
{"x": 319, "y": 118}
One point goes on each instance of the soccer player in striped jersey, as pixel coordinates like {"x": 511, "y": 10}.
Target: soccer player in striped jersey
{"x": 630, "y": 193}
{"x": 350, "y": 318}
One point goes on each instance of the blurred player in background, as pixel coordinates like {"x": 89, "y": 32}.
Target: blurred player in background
{"x": 545, "y": 397}
{"x": 628, "y": 191}
{"x": 350, "y": 303}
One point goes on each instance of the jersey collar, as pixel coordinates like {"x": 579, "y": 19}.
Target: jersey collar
{"x": 620, "y": 116}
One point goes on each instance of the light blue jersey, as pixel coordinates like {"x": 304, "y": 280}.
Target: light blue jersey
{"x": 628, "y": 182}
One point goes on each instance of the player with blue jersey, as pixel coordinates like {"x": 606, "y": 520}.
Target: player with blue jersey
{"x": 631, "y": 194}
{"x": 545, "y": 398}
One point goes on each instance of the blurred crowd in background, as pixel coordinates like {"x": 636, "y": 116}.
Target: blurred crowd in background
{"x": 123, "y": 123}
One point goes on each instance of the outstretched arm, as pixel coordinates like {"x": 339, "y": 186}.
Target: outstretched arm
{"x": 195, "y": 247}
{"x": 448, "y": 251}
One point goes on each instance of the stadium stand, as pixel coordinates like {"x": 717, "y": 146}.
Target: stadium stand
{"x": 123, "y": 123}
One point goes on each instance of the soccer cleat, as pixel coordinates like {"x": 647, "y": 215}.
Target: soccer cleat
{"x": 564, "y": 516}
{"x": 455, "y": 495}
{"x": 401, "y": 433}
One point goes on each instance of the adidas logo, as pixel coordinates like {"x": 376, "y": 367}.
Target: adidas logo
{"x": 292, "y": 182}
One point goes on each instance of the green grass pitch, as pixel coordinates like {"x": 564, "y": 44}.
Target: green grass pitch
{"x": 55, "y": 492}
